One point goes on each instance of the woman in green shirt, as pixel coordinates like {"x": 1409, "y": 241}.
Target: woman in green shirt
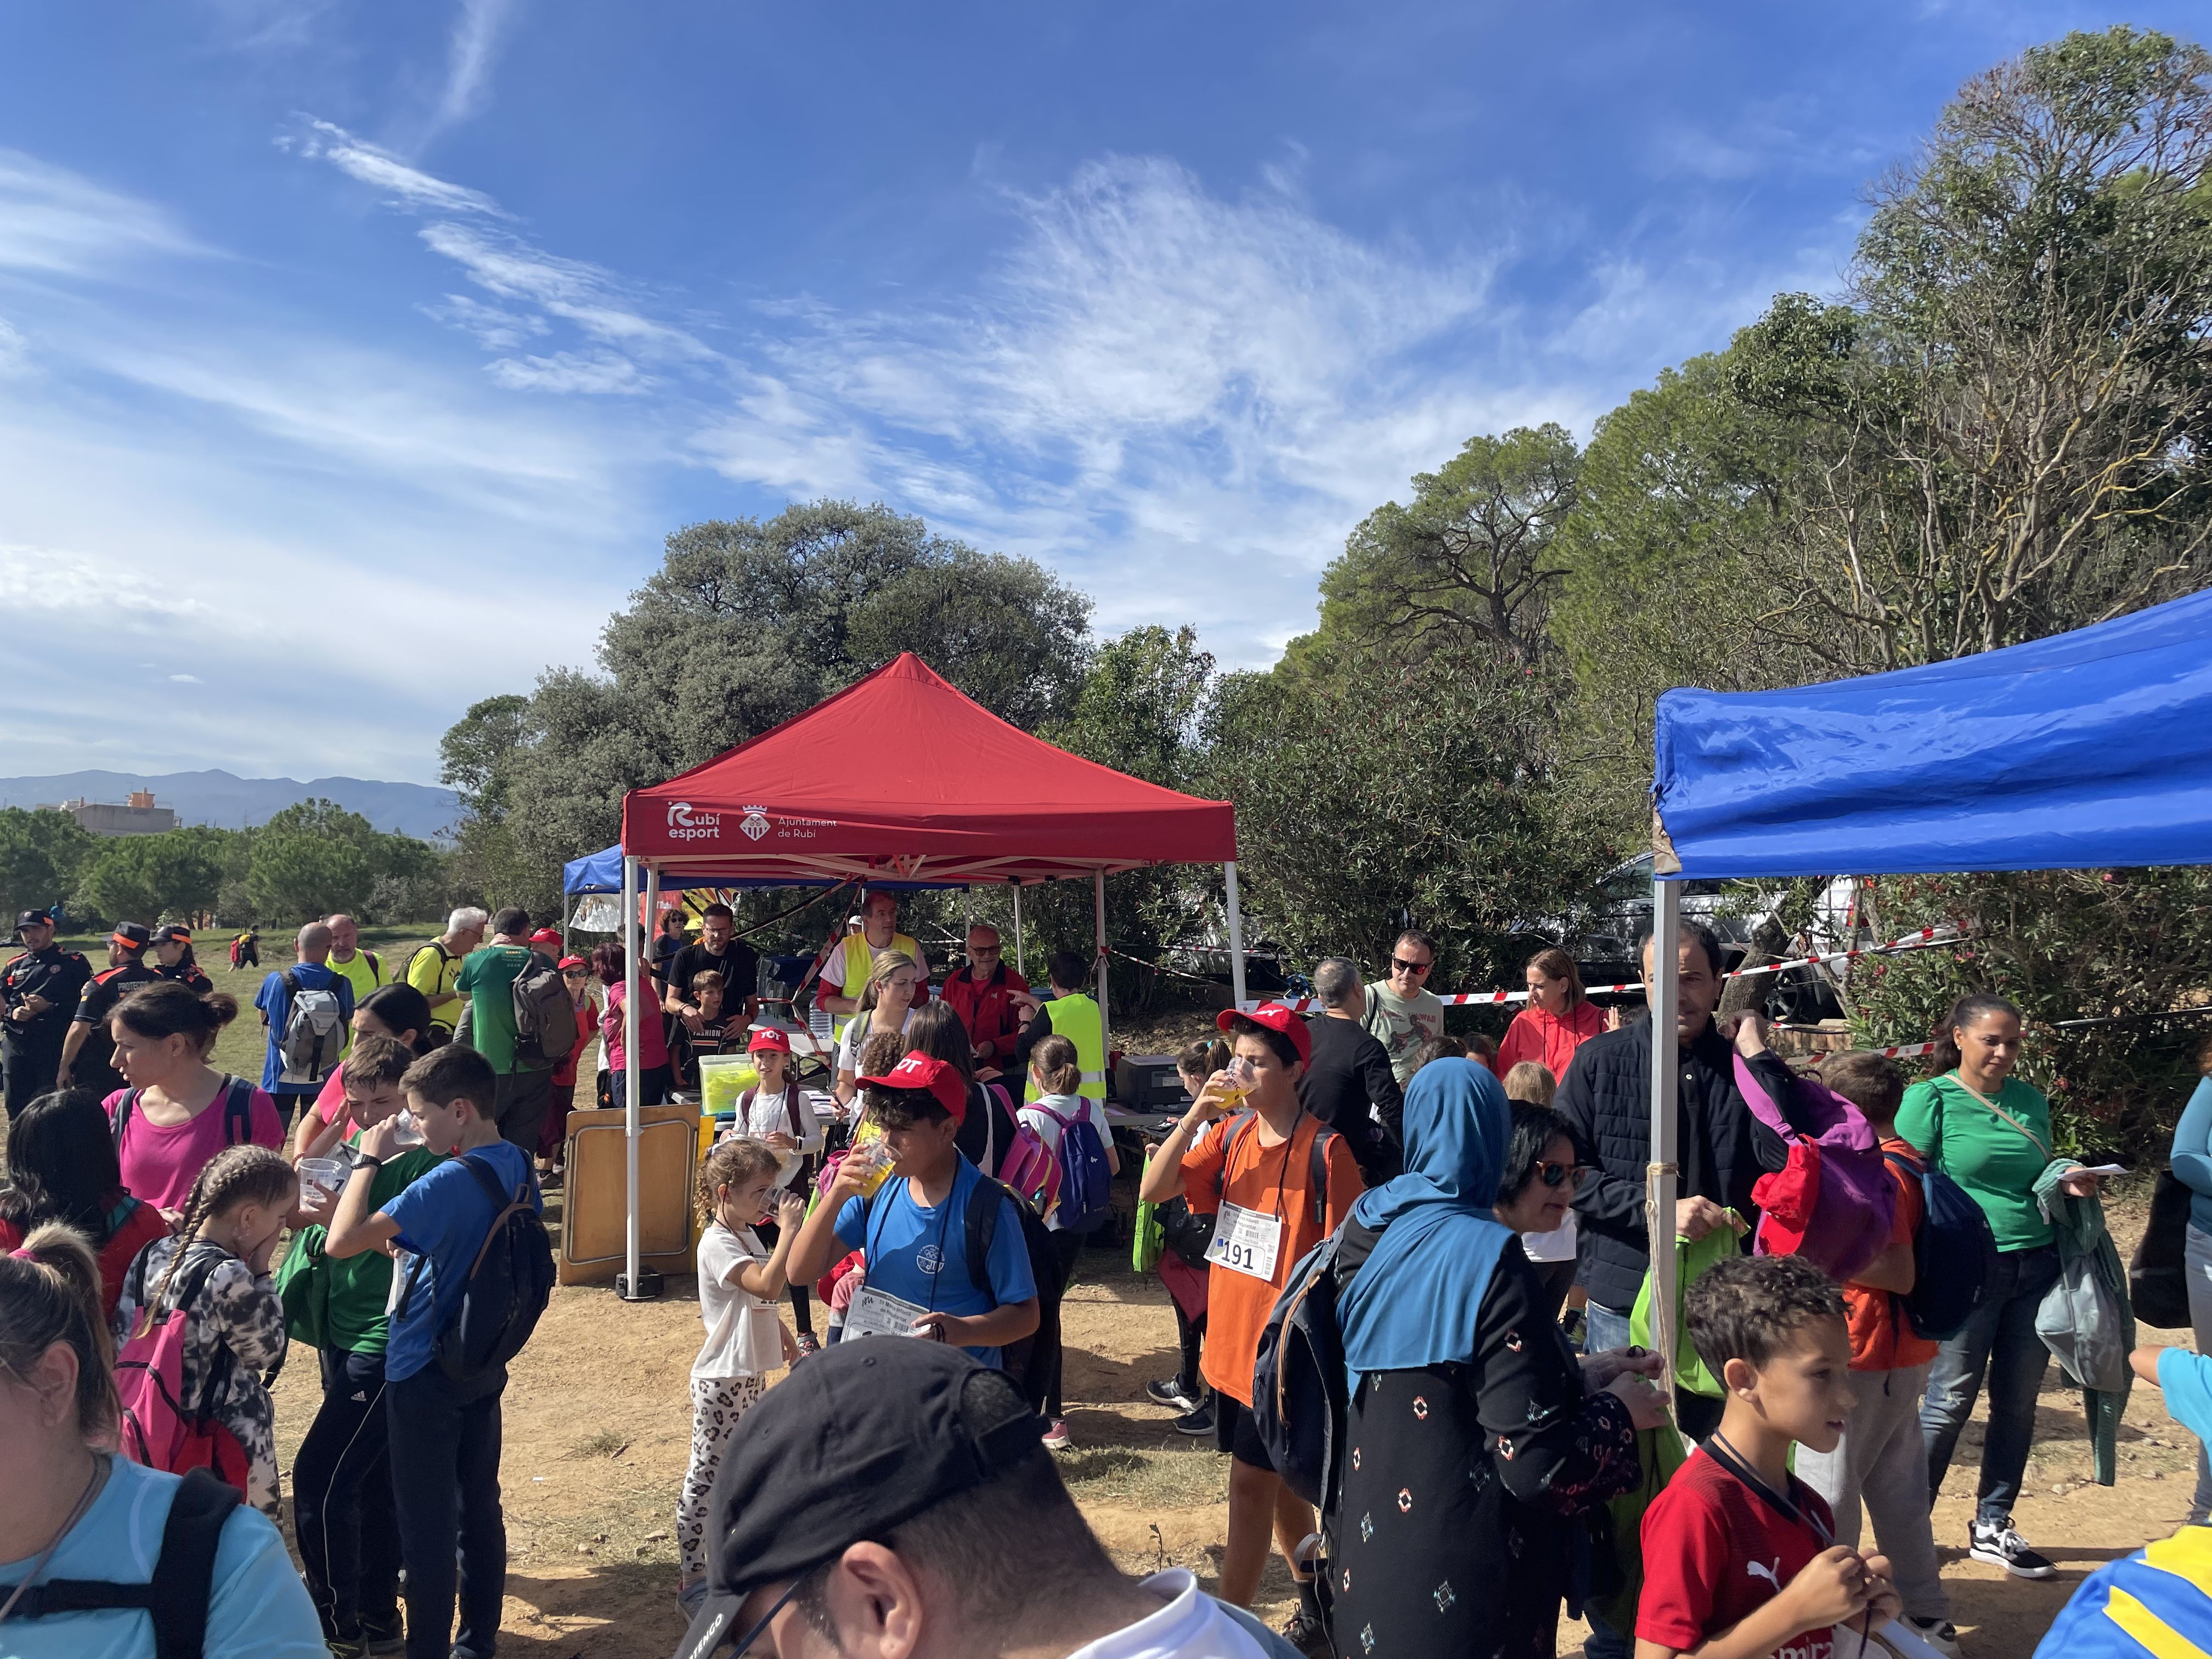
{"x": 1990, "y": 1132}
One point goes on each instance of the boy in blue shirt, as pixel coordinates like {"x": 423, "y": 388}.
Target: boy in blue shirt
{"x": 2158, "y": 1601}
{"x": 444, "y": 1438}
{"x": 913, "y": 1230}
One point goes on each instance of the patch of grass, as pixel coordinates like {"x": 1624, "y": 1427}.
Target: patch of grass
{"x": 607, "y": 1443}
{"x": 1144, "y": 1477}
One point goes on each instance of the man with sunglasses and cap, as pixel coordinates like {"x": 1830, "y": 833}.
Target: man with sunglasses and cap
{"x": 38, "y": 990}
{"x": 1402, "y": 1010}
{"x": 174, "y": 959}
{"x": 893, "y": 1500}
{"x": 89, "y": 1049}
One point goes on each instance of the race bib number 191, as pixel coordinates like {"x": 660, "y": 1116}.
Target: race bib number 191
{"x": 1246, "y": 1242}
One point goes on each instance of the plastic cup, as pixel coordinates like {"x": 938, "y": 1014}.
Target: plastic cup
{"x": 327, "y": 1174}
{"x": 872, "y": 1154}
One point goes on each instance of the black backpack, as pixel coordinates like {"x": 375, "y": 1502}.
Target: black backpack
{"x": 183, "y": 1574}
{"x": 1301, "y": 1400}
{"x": 1955, "y": 1255}
{"x": 237, "y": 1113}
{"x": 509, "y": 1284}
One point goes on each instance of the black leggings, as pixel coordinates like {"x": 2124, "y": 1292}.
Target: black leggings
{"x": 1191, "y": 1332}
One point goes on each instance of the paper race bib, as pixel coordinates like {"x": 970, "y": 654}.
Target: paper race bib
{"x": 1246, "y": 1242}
{"x": 878, "y": 1313}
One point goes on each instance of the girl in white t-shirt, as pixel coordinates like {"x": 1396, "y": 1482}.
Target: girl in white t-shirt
{"x": 739, "y": 1283}
{"x": 777, "y": 1112}
{"x": 1059, "y": 1073}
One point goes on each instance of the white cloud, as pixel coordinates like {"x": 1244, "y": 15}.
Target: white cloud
{"x": 404, "y": 186}
{"x": 468, "y": 70}
{"x": 57, "y": 223}
{"x": 496, "y": 329}
{"x": 15, "y": 350}
{"x": 57, "y": 580}
{"x": 569, "y": 371}
{"x": 187, "y": 679}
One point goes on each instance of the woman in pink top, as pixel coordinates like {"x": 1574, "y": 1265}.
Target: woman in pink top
{"x": 1557, "y": 1020}
{"x": 608, "y": 962}
{"x": 179, "y": 1111}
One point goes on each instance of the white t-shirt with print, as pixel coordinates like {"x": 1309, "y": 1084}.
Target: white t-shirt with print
{"x": 856, "y": 1039}
{"x": 763, "y": 1114}
{"x": 1072, "y": 1107}
{"x": 1192, "y": 1625}
{"x": 744, "y": 1335}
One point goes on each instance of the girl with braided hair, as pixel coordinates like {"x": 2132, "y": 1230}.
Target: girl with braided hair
{"x": 238, "y": 1208}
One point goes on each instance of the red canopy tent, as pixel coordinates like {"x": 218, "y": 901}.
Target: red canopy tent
{"x": 900, "y": 776}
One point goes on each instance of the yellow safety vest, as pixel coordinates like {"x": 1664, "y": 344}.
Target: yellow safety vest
{"x": 1075, "y": 1017}
{"x": 861, "y": 967}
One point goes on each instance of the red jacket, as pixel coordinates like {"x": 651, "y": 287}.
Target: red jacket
{"x": 988, "y": 1010}
{"x": 1548, "y": 1040}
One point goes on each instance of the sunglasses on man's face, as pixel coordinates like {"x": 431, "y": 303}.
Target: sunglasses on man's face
{"x": 1400, "y": 965}
{"x": 1556, "y": 1175}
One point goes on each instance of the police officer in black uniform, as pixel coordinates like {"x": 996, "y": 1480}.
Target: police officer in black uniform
{"x": 39, "y": 991}
{"x": 89, "y": 1051}
{"x": 173, "y": 951}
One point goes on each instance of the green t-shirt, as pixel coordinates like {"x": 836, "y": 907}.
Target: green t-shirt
{"x": 1994, "y": 1162}
{"x": 488, "y": 981}
{"x": 361, "y": 1285}
{"x": 1403, "y": 1025}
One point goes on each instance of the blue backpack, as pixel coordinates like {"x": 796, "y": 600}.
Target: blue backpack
{"x": 1955, "y": 1255}
{"x": 1085, "y": 1182}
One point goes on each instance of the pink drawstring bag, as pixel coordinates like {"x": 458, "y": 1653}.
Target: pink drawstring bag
{"x": 1834, "y": 1203}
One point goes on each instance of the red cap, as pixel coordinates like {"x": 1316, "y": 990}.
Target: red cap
{"x": 546, "y": 936}
{"x": 770, "y": 1040}
{"x": 566, "y": 963}
{"x": 1275, "y": 1017}
{"x": 921, "y": 1071}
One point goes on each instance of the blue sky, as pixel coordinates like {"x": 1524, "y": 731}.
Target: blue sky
{"x": 354, "y": 359}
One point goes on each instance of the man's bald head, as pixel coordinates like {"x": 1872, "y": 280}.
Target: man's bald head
{"x": 314, "y": 944}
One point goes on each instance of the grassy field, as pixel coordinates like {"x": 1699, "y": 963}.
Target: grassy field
{"x": 242, "y": 1047}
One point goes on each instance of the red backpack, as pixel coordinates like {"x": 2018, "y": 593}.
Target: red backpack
{"x": 157, "y": 1429}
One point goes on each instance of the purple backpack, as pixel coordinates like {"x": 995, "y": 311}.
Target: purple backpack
{"x": 1835, "y": 1203}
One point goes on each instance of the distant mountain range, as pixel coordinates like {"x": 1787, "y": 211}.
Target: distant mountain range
{"x": 234, "y": 803}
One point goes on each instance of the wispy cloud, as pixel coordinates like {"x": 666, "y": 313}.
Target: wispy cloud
{"x": 59, "y": 223}
{"x": 53, "y": 579}
{"x": 475, "y": 42}
{"x": 404, "y": 186}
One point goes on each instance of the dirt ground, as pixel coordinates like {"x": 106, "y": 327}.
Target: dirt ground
{"x": 598, "y": 1430}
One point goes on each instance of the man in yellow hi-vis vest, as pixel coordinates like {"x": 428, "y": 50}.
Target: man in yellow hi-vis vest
{"x": 845, "y": 971}
{"x": 1072, "y": 1013}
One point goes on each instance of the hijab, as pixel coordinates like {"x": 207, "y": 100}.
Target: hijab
{"x": 1417, "y": 1299}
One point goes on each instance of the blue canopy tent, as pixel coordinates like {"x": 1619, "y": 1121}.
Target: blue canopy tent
{"x": 2087, "y": 749}
{"x": 602, "y": 872}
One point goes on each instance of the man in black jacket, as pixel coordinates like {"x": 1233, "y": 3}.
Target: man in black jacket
{"x": 1722, "y": 1150}
{"x": 1350, "y": 1074}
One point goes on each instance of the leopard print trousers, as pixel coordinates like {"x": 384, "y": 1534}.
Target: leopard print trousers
{"x": 717, "y": 1402}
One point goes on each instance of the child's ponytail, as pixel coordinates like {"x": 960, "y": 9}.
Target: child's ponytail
{"x": 1058, "y": 1068}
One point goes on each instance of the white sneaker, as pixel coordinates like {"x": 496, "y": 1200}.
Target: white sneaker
{"x": 1940, "y": 1634}
{"x": 1998, "y": 1544}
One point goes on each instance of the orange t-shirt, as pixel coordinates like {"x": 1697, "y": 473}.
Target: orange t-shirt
{"x": 1882, "y": 1340}
{"x": 1274, "y": 1180}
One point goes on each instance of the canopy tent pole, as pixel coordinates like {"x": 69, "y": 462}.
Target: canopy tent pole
{"x": 1105, "y": 1024}
{"x": 1018, "y": 967}
{"x": 1664, "y": 996}
{"x": 1235, "y": 936}
{"x": 633, "y": 1079}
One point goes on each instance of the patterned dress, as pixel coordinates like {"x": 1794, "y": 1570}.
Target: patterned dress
{"x": 237, "y": 1311}
{"x": 1462, "y": 1486}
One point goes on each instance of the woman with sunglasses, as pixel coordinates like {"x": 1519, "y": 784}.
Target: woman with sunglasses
{"x": 1402, "y": 1012}
{"x": 1479, "y": 1444}
{"x": 1535, "y": 1196}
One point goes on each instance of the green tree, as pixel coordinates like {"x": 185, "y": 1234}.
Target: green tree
{"x": 1469, "y": 561}
{"x": 177, "y": 875}
{"x": 41, "y": 853}
{"x": 315, "y": 859}
{"x": 747, "y": 623}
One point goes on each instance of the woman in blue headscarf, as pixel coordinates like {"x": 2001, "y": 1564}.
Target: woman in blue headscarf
{"x": 1474, "y": 1441}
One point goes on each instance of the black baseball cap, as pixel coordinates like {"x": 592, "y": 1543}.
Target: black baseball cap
{"x": 858, "y": 1439}
{"x": 32, "y": 918}
{"x": 132, "y": 935}
{"x": 173, "y": 933}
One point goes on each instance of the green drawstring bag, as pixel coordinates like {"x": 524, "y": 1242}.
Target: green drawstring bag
{"x": 303, "y": 1286}
{"x": 1149, "y": 1240}
{"x": 1690, "y": 1260}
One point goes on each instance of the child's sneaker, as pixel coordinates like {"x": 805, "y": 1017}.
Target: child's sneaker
{"x": 1055, "y": 1436}
{"x": 1940, "y": 1634}
{"x": 1170, "y": 1391}
{"x": 1198, "y": 1422}
{"x": 1996, "y": 1543}
{"x": 808, "y": 1344}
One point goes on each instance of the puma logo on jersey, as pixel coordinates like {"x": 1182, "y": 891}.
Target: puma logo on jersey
{"x": 1771, "y": 1575}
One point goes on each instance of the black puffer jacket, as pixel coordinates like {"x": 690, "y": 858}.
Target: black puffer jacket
{"x": 1722, "y": 1149}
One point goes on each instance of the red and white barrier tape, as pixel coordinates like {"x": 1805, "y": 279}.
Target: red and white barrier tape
{"x": 1921, "y": 938}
